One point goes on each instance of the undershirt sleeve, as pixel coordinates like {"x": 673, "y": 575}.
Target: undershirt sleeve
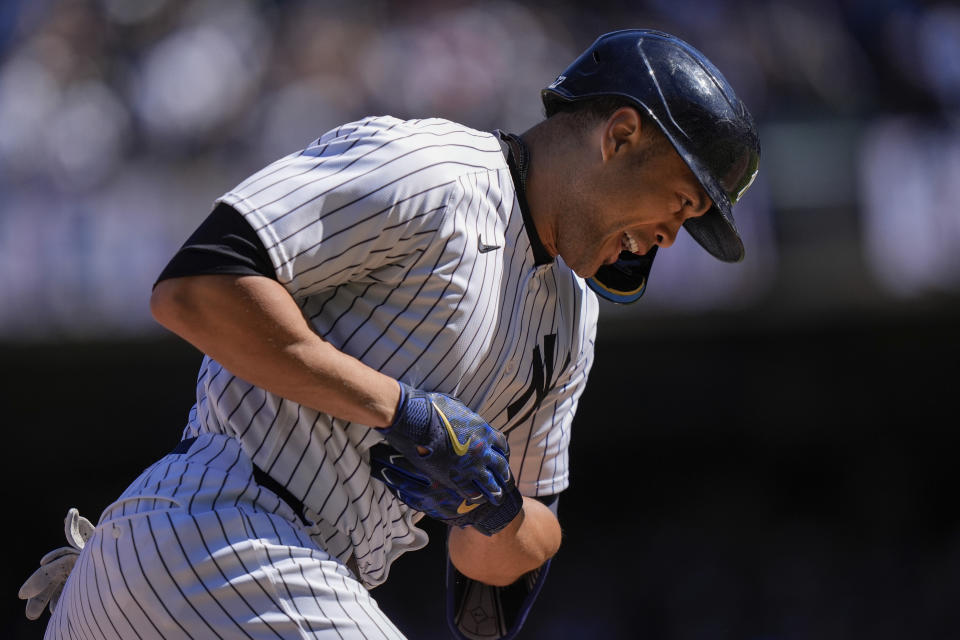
{"x": 224, "y": 243}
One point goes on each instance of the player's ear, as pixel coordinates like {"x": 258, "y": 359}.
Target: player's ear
{"x": 622, "y": 130}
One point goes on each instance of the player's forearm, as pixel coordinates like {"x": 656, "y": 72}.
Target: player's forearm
{"x": 252, "y": 326}
{"x": 531, "y": 539}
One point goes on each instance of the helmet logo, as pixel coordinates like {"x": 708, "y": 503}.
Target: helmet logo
{"x": 556, "y": 83}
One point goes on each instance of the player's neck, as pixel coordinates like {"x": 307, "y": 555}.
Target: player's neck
{"x": 544, "y": 184}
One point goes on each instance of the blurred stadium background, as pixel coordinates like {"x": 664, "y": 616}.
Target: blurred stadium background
{"x": 765, "y": 450}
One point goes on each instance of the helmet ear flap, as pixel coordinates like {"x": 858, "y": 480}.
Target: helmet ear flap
{"x": 625, "y": 280}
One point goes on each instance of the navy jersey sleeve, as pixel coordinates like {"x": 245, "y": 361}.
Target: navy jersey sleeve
{"x": 224, "y": 243}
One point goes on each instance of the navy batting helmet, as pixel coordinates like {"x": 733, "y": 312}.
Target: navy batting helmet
{"x": 697, "y": 110}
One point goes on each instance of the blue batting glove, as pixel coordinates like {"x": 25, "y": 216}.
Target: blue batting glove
{"x": 462, "y": 452}
{"x": 441, "y": 503}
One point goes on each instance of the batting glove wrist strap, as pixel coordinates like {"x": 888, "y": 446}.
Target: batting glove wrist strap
{"x": 462, "y": 451}
{"x": 493, "y": 518}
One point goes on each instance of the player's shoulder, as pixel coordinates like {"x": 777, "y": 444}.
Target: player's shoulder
{"x": 441, "y": 136}
{"x": 428, "y": 139}
{"x": 454, "y": 132}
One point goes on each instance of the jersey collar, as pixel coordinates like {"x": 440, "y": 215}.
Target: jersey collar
{"x": 518, "y": 159}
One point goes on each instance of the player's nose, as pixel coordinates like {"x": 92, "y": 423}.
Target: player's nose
{"x": 666, "y": 234}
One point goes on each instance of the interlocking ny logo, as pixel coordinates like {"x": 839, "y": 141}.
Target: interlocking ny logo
{"x": 542, "y": 380}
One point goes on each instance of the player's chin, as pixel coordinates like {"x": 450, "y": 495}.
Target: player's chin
{"x": 586, "y": 271}
{"x": 611, "y": 258}
{"x": 595, "y": 266}
{"x": 608, "y": 258}
{"x": 591, "y": 261}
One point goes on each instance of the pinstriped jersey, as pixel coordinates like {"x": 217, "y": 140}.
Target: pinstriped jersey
{"x": 404, "y": 245}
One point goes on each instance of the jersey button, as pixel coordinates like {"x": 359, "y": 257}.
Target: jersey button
{"x": 510, "y": 366}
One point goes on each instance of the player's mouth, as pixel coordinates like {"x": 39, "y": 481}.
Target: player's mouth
{"x": 629, "y": 243}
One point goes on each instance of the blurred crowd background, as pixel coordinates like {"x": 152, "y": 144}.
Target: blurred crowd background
{"x": 785, "y": 426}
{"x": 122, "y": 121}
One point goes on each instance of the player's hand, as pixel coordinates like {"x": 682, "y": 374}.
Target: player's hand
{"x": 44, "y": 586}
{"x": 450, "y": 445}
{"x": 442, "y": 503}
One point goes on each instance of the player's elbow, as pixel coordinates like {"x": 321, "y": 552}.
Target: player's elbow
{"x": 171, "y": 302}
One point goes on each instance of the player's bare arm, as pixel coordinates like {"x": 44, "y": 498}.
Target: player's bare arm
{"x": 532, "y": 538}
{"x": 254, "y": 328}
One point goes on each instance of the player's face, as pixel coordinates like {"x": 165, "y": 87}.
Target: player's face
{"x": 629, "y": 202}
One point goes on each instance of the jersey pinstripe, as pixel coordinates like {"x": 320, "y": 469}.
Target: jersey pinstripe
{"x": 404, "y": 245}
{"x": 192, "y": 550}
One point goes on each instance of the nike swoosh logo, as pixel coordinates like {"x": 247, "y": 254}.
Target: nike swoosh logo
{"x": 466, "y": 508}
{"x": 484, "y": 248}
{"x": 458, "y": 447}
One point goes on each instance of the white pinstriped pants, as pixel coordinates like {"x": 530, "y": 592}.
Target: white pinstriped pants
{"x": 202, "y": 560}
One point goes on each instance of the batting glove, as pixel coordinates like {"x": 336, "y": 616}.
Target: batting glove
{"x": 440, "y": 502}
{"x": 43, "y": 588}
{"x": 462, "y": 452}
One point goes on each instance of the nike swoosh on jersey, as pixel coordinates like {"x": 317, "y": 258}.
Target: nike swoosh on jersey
{"x": 458, "y": 447}
{"x": 484, "y": 248}
{"x": 463, "y": 507}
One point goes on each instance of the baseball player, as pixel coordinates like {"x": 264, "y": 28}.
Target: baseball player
{"x": 398, "y": 322}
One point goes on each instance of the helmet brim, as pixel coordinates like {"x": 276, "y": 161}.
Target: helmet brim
{"x": 716, "y": 233}
{"x": 716, "y": 230}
